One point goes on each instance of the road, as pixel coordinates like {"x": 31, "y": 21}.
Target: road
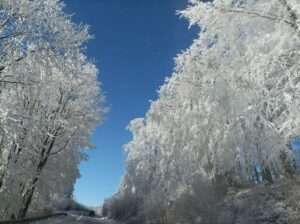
{"x": 75, "y": 220}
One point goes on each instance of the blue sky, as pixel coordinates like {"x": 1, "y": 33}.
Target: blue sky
{"x": 134, "y": 46}
{"x": 296, "y": 144}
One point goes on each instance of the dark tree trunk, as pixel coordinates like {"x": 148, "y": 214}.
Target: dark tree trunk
{"x": 28, "y": 192}
{"x": 26, "y": 200}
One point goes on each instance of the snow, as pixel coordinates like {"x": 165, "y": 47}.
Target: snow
{"x": 77, "y": 220}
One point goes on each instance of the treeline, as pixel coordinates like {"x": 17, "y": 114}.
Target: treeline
{"x": 50, "y": 101}
{"x": 223, "y": 121}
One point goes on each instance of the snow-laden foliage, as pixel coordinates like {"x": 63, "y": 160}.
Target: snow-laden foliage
{"x": 50, "y": 102}
{"x": 231, "y": 105}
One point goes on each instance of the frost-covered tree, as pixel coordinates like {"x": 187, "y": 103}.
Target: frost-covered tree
{"x": 57, "y": 181}
{"x": 231, "y": 104}
{"x": 50, "y": 101}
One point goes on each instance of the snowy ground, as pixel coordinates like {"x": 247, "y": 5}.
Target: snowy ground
{"x": 76, "y": 220}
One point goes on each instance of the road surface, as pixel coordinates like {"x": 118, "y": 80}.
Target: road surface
{"x": 75, "y": 220}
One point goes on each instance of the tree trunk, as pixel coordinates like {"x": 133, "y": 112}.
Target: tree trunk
{"x": 5, "y": 160}
{"x": 26, "y": 199}
{"x": 28, "y": 192}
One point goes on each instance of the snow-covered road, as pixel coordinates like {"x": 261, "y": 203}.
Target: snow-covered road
{"x": 76, "y": 220}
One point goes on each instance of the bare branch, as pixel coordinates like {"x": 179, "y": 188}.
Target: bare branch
{"x": 11, "y": 35}
{"x": 14, "y": 82}
{"x": 255, "y": 13}
{"x": 292, "y": 21}
{"x": 292, "y": 15}
{"x": 4, "y": 23}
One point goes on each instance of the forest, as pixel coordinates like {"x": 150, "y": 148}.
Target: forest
{"x": 219, "y": 145}
{"x": 216, "y": 147}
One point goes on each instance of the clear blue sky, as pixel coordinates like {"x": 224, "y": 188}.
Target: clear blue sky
{"x": 134, "y": 46}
